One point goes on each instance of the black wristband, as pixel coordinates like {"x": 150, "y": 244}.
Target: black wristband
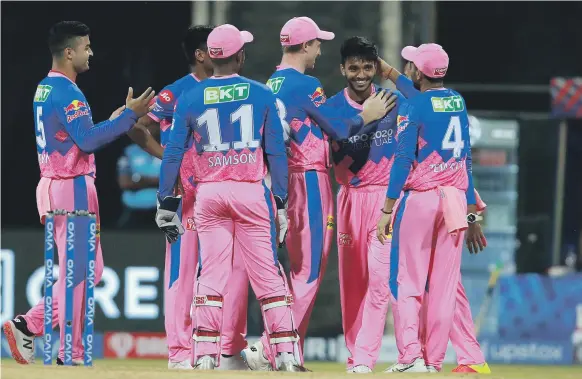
{"x": 386, "y": 213}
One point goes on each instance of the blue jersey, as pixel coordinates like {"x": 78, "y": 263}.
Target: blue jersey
{"x": 135, "y": 161}
{"x": 65, "y": 134}
{"x": 433, "y": 141}
{"x": 233, "y": 123}
{"x": 365, "y": 158}
{"x": 165, "y": 102}
{"x": 308, "y": 120}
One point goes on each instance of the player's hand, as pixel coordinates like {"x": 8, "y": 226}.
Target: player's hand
{"x": 384, "y": 228}
{"x": 167, "y": 219}
{"x": 475, "y": 238}
{"x": 378, "y": 105}
{"x": 116, "y": 113}
{"x": 282, "y": 226}
{"x": 140, "y": 105}
{"x": 384, "y": 68}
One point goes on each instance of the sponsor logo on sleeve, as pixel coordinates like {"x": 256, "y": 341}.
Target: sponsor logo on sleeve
{"x": 166, "y": 96}
{"x": 76, "y": 109}
{"x": 318, "y": 97}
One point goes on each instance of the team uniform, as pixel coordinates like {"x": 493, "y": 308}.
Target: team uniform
{"x": 431, "y": 176}
{"x": 360, "y": 165}
{"x": 233, "y": 122}
{"x": 65, "y": 140}
{"x": 462, "y": 336}
{"x": 308, "y": 123}
{"x": 182, "y": 256}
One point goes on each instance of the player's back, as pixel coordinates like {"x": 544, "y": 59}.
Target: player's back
{"x": 228, "y": 115}
{"x": 443, "y": 139}
{"x": 365, "y": 158}
{"x": 309, "y": 147}
{"x": 58, "y": 102}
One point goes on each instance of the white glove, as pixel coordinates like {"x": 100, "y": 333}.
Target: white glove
{"x": 167, "y": 219}
{"x": 282, "y": 226}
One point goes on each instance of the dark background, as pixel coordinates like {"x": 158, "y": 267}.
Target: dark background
{"x": 138, "y": 44}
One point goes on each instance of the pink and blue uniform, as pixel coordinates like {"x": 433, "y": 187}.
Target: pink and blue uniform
{"x": 360, "y": 166}
{"x": 431, "y": 177}
{"x": 234, "y": 126}
{"x": 65, "y": 141}
{"x": 309, "y": 123}
{"x": 182, "y": 256}
{"x": 462, "y": 335}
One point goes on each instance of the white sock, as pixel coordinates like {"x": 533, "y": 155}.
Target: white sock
{"x": 284, "y": 357}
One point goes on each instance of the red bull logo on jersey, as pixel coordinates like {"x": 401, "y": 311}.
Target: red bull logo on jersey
{"x": 401, "y": 123}
{"x": 318, "y": 97}
{"x": 76, "y": 109}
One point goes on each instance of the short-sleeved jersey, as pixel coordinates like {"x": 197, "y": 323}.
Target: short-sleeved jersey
{"x": 308, "y": 120}
{"x": 163, "y": 112}
{"x": 165, "y": 102}
{"x": 65, "y": 134}
{"x": 233, "y": 122}
{"x": 433, "y": 144}
{"x": 366, "y": 158}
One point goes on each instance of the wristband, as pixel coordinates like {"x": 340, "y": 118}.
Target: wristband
{"x": 386, "y": 213}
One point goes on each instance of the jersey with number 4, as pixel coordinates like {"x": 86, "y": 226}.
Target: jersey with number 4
{"x": 65, "y": 133}
{"x": 233, "y": 122}
{"x": 308, "y": 120}
{"x": 433, "y": 144}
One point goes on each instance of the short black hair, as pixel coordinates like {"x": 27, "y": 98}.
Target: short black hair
{"x": 358, "y": 47}
{"x": 63, "y": 34}
{"x": 194, "y": 39}
{"x": 297, "y": 48}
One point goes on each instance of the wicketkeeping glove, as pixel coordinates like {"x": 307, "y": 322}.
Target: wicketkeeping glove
{"x": 281, "y": 220}
{"x": 167, "y": 219}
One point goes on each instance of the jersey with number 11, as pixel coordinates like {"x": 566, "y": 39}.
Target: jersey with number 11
{"x": 233, "y": 122}
{"x": 433, "y": 144}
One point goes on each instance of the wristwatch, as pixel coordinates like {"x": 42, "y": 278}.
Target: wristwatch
{"x": 473, "y": 218}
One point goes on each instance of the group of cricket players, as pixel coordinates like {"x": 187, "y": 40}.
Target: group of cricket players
{"x": 246, "y": 169}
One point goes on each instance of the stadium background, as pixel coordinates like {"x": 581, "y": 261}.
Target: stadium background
{"x": 503, "y": 57}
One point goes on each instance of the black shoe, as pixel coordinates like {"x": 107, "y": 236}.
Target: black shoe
{"x": 75, "y": 362}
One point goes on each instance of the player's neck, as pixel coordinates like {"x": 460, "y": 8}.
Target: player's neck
{"x": 359, "y": 97}
{"x": 294, "y": 61}
{"x": 69, "y": 72}
{"x": 200, "y": 72}
{"x": 426, "y": 86}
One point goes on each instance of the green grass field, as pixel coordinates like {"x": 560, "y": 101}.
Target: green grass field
{"x": 153, "y": 369}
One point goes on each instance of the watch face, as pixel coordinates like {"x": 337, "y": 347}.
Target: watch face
{"x": 471, "y": 218}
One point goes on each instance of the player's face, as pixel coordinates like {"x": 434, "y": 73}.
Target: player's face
{"x": 81, "y": 53}
{"x": 313, "y": 52}
{"x": 359, "y": 73}
{"x": 204, "y": 59}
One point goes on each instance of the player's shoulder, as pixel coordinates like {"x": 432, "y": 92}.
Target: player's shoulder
{"x": 171, "y": 92}
{"x": 57, "y": 90}
{"x": 337, "y": 99}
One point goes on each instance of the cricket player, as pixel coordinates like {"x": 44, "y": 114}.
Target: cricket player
{"x": 309, "y": 124}
{"x": 433, "y": 167}
{"x": 65, "y": 141}
{"x": 470, "y": 357}
{"x": 182, "y": 256}
{"x": 361, "y": 164}
{"x": 234, "y": 125}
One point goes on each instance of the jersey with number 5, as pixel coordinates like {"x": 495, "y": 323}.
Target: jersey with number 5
{"x": 233, "y": 123}
{"x": 433, "y": 144}
{"x": 65, "y": 133}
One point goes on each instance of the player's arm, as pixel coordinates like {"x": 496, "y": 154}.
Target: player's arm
{"x": 403, "y": 84}
{"x": 274, "y": 147}
{"x": 141, "y": 135}
{"x": 407, "y": 135}
{"x": 331, "y": 120}
{"x": 90, "y": 137}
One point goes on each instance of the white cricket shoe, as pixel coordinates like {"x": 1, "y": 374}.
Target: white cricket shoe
{"x": 204, "y": 363}
{"x": 432, "y": 369}
{"x": 360, "y": 369}
{"x": 287, "y": 362}
{"x": 254, "y": 358}
{"x": 184, "y": 365}
{"x": 232, "y": 363}
{"x": 417, "y": 365}
{"x": 20, "y": 340}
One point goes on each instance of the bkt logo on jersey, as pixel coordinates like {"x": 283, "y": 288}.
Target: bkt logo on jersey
{"x": 226, "y": 94}
{"x": 447, "y": 104}
{"x": 318, "y": 97}
{"x": 275, "y": 84}
{"x": 76, "y": 109}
